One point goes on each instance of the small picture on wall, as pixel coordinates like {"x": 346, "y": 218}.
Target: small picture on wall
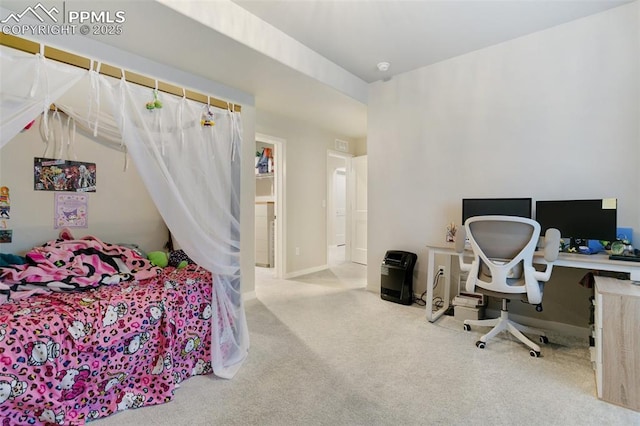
{"x": 63, "y": 175}
{"x": 5, "y": 203}
{"x": 6, "y": 235}
{"x": 71, "y": 211}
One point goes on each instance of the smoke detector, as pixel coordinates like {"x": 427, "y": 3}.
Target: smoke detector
{"x": 383, "y": 66}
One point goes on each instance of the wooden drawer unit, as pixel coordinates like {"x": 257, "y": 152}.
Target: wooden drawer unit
{"x": 617, "y": 341}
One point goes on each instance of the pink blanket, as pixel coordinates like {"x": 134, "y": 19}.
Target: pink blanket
{"x": 69, "y": 264}
{"x": 68, "y": 358}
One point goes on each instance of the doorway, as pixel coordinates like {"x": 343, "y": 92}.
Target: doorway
{"x": 269, "y": 206}
{"x": 338, "y": 212}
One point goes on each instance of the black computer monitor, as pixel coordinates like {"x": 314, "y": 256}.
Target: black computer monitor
{"x": 579, "y": 219}
{"x": 496, "y": 206}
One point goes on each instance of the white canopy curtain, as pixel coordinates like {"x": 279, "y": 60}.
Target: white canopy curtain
{"x": 30, "y": 83}
{"x": 192, "y": 173}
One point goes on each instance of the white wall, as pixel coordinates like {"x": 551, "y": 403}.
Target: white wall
{"x": 305, "y": 177}
{"x": 552, "y": 115}
{"x": 120, "y": 211}
{"x": 360, "y": 147}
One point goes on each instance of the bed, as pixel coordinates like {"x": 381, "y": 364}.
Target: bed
{"x": 72, "y": 355}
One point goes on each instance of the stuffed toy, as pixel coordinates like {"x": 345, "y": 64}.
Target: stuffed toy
{"x": 155, "y": 103}
{"x": 179, "y": 259}
{"x": 158, "y": 258}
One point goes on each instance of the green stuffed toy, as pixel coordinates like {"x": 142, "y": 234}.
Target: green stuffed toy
{"x": 179, "y": 259}
{"x": 161, "y": 259}
{"x": 158, "y": 258}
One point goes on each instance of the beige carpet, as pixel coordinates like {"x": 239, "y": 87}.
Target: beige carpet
{"x": 326, "y": 352}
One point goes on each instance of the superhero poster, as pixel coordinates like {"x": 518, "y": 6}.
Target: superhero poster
{"x": 63, "y": 175}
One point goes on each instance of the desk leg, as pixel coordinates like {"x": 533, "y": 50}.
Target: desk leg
{"x": 431, "y": 315}
{"x": 429, "y": 302}
{"x": 447, "y": 285}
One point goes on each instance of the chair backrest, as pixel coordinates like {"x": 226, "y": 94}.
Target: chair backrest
{"x": 503, "y": 248}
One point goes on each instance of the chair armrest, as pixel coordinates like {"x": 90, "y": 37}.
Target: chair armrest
{"x": 461, "y": 237}
{"x": 466, "y": 267}
{"x": 551, "y": 244}
{"x": 551, "y": 250}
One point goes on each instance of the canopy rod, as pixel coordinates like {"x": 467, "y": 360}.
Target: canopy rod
{"x": 111, "y": 71}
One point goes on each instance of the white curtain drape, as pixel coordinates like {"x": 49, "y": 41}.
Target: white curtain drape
{"x": 192, "y": 174}
{"x": 191, "y": 170}
{"x": 30, "y": 83}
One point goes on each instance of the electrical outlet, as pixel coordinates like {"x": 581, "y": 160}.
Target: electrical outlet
{"x": 297, "y": 251}
{"x": 441, "y": 268}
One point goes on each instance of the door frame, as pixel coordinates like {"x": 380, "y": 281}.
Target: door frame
{"x": 349, "y": 195}
{"x": 354, "y": 211}
{"x": 280, "y": 197}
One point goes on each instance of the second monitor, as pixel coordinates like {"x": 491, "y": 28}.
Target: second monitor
{"x": 496, "y": 206}
{"x": 579, "y": 219}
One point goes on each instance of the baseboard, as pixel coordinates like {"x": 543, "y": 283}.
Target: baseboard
{"x": 305, "y": 271}
{"x": 558, "y": 327}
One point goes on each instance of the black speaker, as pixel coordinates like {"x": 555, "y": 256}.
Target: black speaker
{"x": 396, "y": 280}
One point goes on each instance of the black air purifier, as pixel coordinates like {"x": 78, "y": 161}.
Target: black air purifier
{"x": 397, "y": 276}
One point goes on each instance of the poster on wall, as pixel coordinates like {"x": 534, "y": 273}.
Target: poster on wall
{"x": 71, "y": 211}
{"x": 63, "y": 175}
{"x": 5, "y": 235}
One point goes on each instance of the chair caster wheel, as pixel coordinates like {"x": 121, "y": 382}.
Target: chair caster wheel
{"x": 466, "y": 327}
{"x": 544, "y": 340}
{"x": 534, "y": 354}
{"x": 480, "y": 344}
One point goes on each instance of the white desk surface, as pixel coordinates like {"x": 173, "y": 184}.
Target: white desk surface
{"x": 571, "y": 260}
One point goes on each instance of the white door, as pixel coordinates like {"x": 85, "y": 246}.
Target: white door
{"x": 340, "y": 207}
{"x": 359, "y": 215}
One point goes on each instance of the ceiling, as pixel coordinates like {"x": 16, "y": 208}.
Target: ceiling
{"x": 358, "y": 34}
{"x": 351, "y": 35}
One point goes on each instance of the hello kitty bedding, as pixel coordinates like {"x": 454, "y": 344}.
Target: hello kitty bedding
{"x": 71, "y": 357}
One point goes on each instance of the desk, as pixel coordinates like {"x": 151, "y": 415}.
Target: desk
{"x": 571, "y": 260}
{"x": 617, "y": 315}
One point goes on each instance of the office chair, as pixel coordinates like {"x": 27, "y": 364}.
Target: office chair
{"x": 503, "y": 248}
